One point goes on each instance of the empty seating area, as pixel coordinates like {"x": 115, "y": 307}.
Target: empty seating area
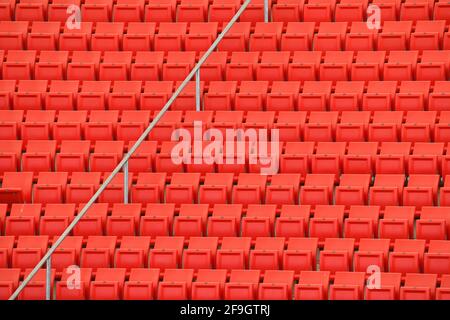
{"x": 356, "y": 116}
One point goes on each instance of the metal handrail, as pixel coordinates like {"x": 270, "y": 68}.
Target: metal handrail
{"x": 123, "y": 163}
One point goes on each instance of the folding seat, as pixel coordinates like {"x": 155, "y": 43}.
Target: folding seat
{"x": 353, "y": 126}
{"x": 160, "y": 10}
{"x": 312, "y": 285}
{"x": 141, "y": 285}
{"x": 133, "y": 252}
{"x": 425, "y": 158}
{"x": 433, "y": 224}
{"x": 213, "y": 69}
{"x": 442, "y": 293}
{"x": 196, "y": 119}
{"x": 250, "y": 189}
{"x": 298, "y": 35}
{"x": 158, "y": 219}
{"x": 168, "y": 160}
{"x": 293, "y": 221}
{"x": 353, "y": 189}
{"x": 9, "y": 281}
{"x": 57, "y": 10}
{"x": 296, "y": 158}
{"x": 69, "y": 289}
{"x": 401, "y": 65}
{"x": 227, "y": 119}
{"x": 176, "y": 284}
{"x": 289, "y": 123}
{"x": 387, "y": 190}
{"x": 183, "y": 188}
{"x": 68, "y": 253}
{"x": 395, "y": 35}
{"x": 255, "y": 11}
{"x": 427, "y": 35}
{"x": 421, "y": 190}
{"x": 415, "y": 10}
{"x": 371, "y": 252}
{"x": 419, "y": 286}
{"x": 305, "y": 66}
{"x": 393, "y": 157}
{"x": 441, "y": 131}
{"x": 147, "y": 65}
{"x": 108, "y": 36}
{"x": 438, "y": 99}
{"x": 10, "y": 155}
{"x": 243, "y": 285}
{"x": 315, "y": 96}
{"x": 330, "y": 36}
{"x": 7, "y": 88}
{"x": 277, "y": 285}
{"x": 445, "y": 193}
{"x": 170, "y": 36}
{"x": 10, "y": 123}
{"x": 84, "y": 65}
{"x": 72, "y": 39}
{"x": 193, "y": 11}
{"x": 413, "y": 96}
{"x": 234, "y": 253}
{"x": 216, "y": 188}
{"x": 362, "y": 222}
{"x": 43, "y": 35}
{"x": 437, "y": 259}
{"x": 128, "y": 11}
{"x": 319, "y": 10}
{"x": 144, "y": 156}
{"x": 419, "y": 125}
{"x": 441, "y": 11}
{"x": 82, "y": 186}
{"x": 283, "y": 189}
{"x": 225, "y": 220}
{"x": 368, "y": 67}
{"x": 124, "y": 219}
{"x": 115, "y": 65}
{"x": 97, "y": 11}
{"x": 36, "y": 288}
{"x": 347, "y": 96}
{"x": 328, "y": 158}
{"x": 287, "y": 10}
{"x": 337, "y": 255}
{"x": 155, "y": 96}
{"x": 321, "y": 125}
{"x": 23, "y": 219}
{"x": 389, "y": 9}
{"x": 132, "y": 123}
{"x": 283, "y": 97}
{"x": 19, "y": 65}
{"x": 140, "y": 35}
{"x": 387, "y": 287}
{"x": 6, "y": 242}
{"x": 242, "y": 66}
{"x": 300, "y": 254}
{"x": 39, "y": 155}
{"x": 37, "y": 125}
{"x": 62, "y": 94}
{"x": 166, "y": 253}
{"x": 407, "y": 256}
{"x": 379, "y": 96}
{"x": 114, "y": 192}
{"x": 259, "y": 221}
{"x": 186, "y": 101}
{"x": 31, "y": 10}
{"x": 102, "y": 123}
{"x": 106, "y": 156}
{"x": 361, "y": 36}
{"x": 347, "y": 286}
{"x": 125, "y": 95}
{"x": 434, "y": 65}
{"x": 318, "y": 189}
{"x": 201, "y": 253}
{"x": 99, "y": 252}
{"x": 273, "y": 66}
{"x": 178, "y": 65}
{"x": 267, "y": 254}
{"x": 237, "y": 37}
{"x": 13, "y": 35}
{"x": 73, "y": 156}
{"x": 327, "y": 221}
{"x": 351, "y": 10}
{"x": 191, "y": 220}
{"x": 50, "y": 187}
{"x": 201, "y": 34}
{"x": 108, "y": 284}
{"x": 94, "y": 221}
{"x": 336, "y": 66}
{"x": 266, "y": 36}
{"x": 209, "y": 284}
{"x": 28, "y": 251}
{"x": 251, "y": 96}
{"x": 385, "y": 126}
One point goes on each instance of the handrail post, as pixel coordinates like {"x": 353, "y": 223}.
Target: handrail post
{"x": 128, "y": 155}
{"x": 48, "y": 279}
{"x": 125, "y": 182}
{"x": 266, "y": 10}
{"x": 197, "y": 91}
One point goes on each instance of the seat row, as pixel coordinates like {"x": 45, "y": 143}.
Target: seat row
{"x": 198, "y": 36}
{"x": 223, "y": 10}
{"x": 431, "y": 65}
{"x": 299, "y": 254}
{"x": 179, "y": 284}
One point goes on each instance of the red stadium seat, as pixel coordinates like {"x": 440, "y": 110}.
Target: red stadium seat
{"x": 99, "y": 252}
{"x": 133, "y": 252}
{"x": 243, "y": 285}
{"x": 327, "y": 222}
{"x": 141, "y": 285}
{"x": 233, "y": 254}
{"x": 407, "y": 256}
{"x": 312, "y": 285}
{"x": 201, "y": 253}
{"x": 176, "y": 284}
{"x": 293, "y": 221}
{"x": 419, "y": 286}
{"x": 372, "y": 252}
{"x": 347, "y": 286}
